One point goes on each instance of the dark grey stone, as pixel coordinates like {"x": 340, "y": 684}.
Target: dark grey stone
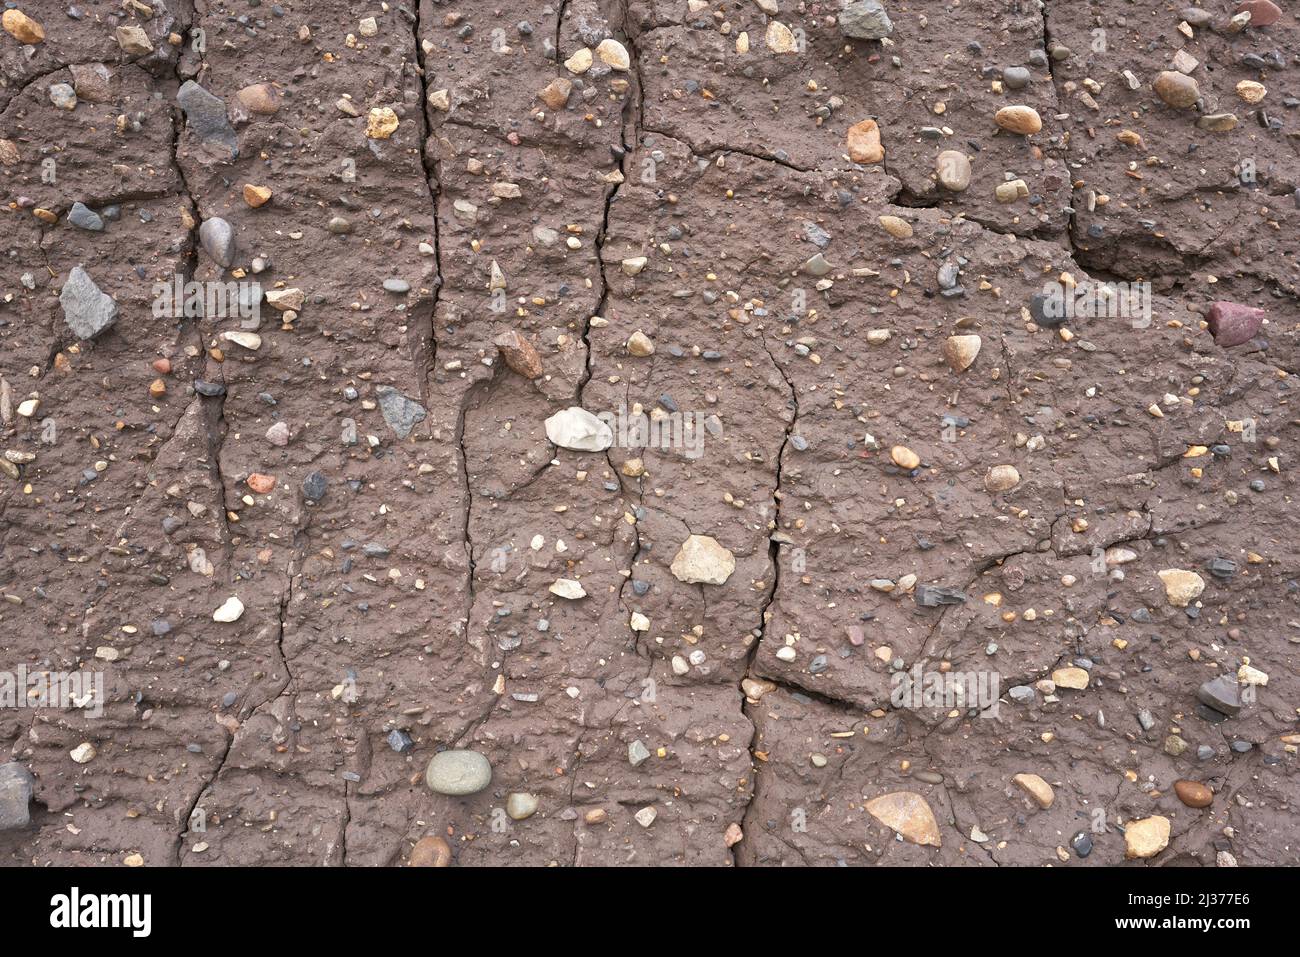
{"x": 401, "y": 413}
{"x": 1223, "y": 694}
{"x": 84, "y": 217}
{"x": 205, "y": 114}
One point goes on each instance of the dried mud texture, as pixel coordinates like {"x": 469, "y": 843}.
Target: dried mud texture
{"x": 396, "y": 576}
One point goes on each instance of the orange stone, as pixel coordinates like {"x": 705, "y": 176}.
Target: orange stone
{"x": 431, "y": 851}
{"x": 864, "y": 142}
{"x": 256, "y": 196}
{"x": 260, "y": 483}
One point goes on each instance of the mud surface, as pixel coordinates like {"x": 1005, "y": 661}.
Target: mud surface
{"x": 467, "y": 230}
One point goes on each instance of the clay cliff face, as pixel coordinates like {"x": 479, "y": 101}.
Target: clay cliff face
{"x": 726, "y": 433}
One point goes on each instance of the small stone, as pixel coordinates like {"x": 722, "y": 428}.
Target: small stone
{"x": 639, "y": 344}
{"x": 381, "y": 123}
{"x": 637, "y": 754}
{"x": 1016, "y": 77}
{"x": 863, "y": 142}
{"x": 83, "y": 217}
{"x": 245, "y": 340}
{"x": 262, "y": 99}
{"x": 896, "y": 227}
{"x": 314, "y": 486}
{"x": 1177, "y": 89}
{"x": 133, "y": 41}
{"x": 1036, "y": 788}
{"x": 1011, "y": 191}
{"x": 430, "y": 851}
{"x": 230, "y": 611}
{"x": 646, "y": 816}
{"x": 16, "y": 787}
{"x": 580, "y": 62}
{"x": 733, "y": 835}
{"x": 556, "y": 93}
{"x": 218, "y": 241}
{"x": 1223, "y": 694}
{"x": 86, "y": 310}
{"x": 904, "y": 457}
{"x": 261, "y": 483}
{"x": 1073, "y": 678}
{"x": 519, "y": 354}
{"x": 400, "y": 741}
{"x": 1232, "y": 324}
{"x": 702, "y": 560}
{"x": 953, "y": 169}
{"x": 960, "y": 351}
{"x": 63, "y": 96}
{"x": 256, "y": 196}
{"x": 278, "y": 434}
{"x": 1217, "y": 122}
{"x": 205, "y": 115}
{"x": 1019, "y": 119}
{"x": 22, "y": 27}
{"x": 1002, "y": 478}
{"x": 1146, "y": 838}
{"x": 401, "y": 413}
{"x": 1193, "y": 793}
{"x": 83, "y": 753}
{"x": 864, "y": 20}
{"x": 780, "y": 38}
{"x": 614, "y": 54}
{"x": 521, "y": 806}
{"x": 458, "y": 772}
{"x": 1251, "y": 91}
{"x": 1181, "y": 586}
{"x": 909, "y": 814}
{"x": 577, "y": 429}
{"x": 567, "y": 588}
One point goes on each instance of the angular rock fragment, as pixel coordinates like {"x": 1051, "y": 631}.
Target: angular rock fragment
{"x": 909, "y": 814}
{"x": 205, "y": 115}
{"x": 86, "y": 310}
{"x": 401, "y": 413}
{"x": 702, "y": 560}
{"x": 577, "y": 429}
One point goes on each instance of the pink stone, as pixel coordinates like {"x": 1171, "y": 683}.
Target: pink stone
{"x": 856, "y": 637}
{"x": 278, "y": 434}
{"x": 1231, "y": 323}
{"x": 1263, "y": 13}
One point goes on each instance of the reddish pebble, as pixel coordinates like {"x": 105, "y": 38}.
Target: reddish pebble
{"x": 261, "y": 484}
{"x": 856, "y": 637}
{"x": 1231, "y": 323}
{"x": 1263, "y": 13}
{"x": 1193, "y": 793}
{"x": 162, "y": 366}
